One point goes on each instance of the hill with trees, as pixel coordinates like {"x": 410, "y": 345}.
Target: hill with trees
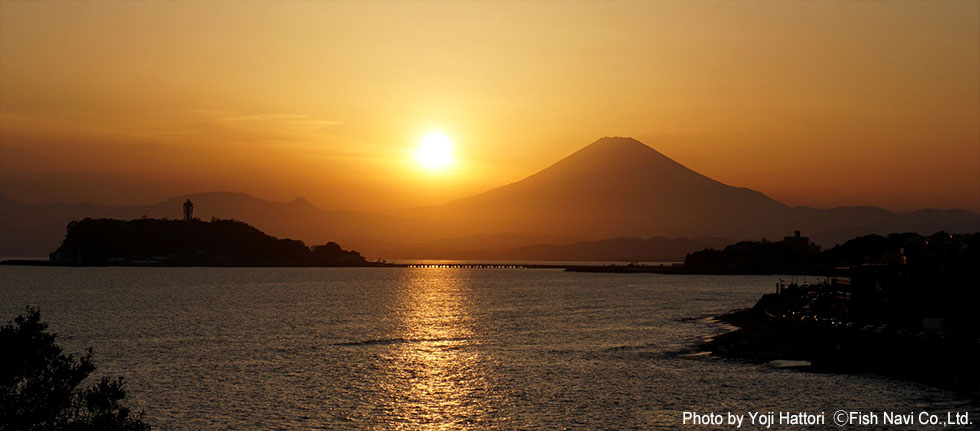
{"x": 163, "y": 242}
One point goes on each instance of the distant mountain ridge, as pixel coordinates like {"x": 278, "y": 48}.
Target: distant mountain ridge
{"x": 612, "y": 188}
{"x": 620, "y": 187}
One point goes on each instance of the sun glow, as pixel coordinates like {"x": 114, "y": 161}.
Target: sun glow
{"x": 435, "y": 151}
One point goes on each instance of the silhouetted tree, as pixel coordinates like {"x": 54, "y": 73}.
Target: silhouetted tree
{"x": 39, "y": 385}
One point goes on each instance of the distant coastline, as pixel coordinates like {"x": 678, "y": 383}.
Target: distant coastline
{"x": 901, "y": 305}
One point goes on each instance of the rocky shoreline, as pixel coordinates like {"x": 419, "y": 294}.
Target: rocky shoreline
{"x": 949, "y": 363}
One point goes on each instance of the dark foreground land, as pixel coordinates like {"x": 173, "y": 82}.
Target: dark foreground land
{"x": 904, "y": 305}
{"x": 800, "y": 323}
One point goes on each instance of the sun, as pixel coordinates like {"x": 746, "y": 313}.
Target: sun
{"x": 435, "y": 151}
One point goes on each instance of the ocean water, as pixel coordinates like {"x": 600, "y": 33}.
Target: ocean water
{"x": 429, "y": 348}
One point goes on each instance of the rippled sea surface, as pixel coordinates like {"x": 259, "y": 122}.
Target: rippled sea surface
{"x": 426, "y": 348}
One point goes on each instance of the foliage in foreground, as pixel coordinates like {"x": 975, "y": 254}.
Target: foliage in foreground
{"x": 40, "y": 386}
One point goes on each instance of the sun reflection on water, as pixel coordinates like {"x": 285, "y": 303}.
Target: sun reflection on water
{"x": 435, "y": 378}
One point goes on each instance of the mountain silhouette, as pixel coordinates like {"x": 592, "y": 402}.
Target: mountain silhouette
{"x": 612, "y": 188}
{"x": 620, "y": 187}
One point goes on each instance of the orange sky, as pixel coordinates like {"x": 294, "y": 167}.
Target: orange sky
{"x": 813, "y": 103}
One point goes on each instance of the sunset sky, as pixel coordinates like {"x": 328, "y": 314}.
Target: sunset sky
{"x": 823, "y": 103}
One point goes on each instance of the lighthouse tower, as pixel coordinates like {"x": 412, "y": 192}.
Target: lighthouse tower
{"x": 188, "y": 210}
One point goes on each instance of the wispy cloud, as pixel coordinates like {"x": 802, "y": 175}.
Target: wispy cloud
{"x": 284, "y": 122}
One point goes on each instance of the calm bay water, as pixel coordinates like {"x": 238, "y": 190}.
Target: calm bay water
{"x": 429, "y": 348}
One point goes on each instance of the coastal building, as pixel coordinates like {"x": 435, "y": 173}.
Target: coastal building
{"x": 188, "y": 210}
{"x": 801, "y": 243}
